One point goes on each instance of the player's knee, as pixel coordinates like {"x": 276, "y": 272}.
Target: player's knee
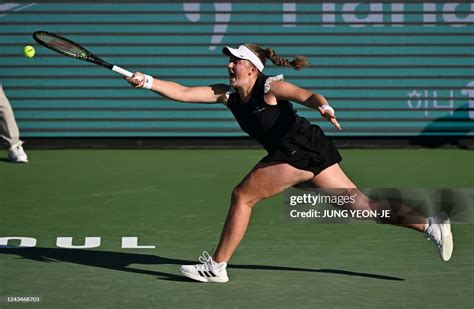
{"x": 363, "y": 203}
{"x": 241, "y": 198}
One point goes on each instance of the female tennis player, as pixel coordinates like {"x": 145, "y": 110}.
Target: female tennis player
{"x": 298, "y": 152}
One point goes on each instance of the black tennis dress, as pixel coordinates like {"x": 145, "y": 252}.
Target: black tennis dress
{"x": 286, "y": 136}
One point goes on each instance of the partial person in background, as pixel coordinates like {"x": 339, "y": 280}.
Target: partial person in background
{"x": 9, "y": 131}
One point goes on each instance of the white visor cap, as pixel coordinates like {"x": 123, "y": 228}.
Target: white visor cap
{"x": 243, "y": 52}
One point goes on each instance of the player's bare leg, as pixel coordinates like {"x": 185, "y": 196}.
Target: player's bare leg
{"x": 265, "y": 180}
{"x": 436, "y": 228}
{"x": 334, "y": 177}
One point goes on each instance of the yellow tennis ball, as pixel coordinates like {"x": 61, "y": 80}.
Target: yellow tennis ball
{"x": 29, "y": 51}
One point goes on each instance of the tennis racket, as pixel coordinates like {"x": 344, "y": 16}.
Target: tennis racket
{"x": 69, "y": 48}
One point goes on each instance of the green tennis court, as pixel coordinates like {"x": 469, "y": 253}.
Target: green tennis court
{"x": 177, "y": 200}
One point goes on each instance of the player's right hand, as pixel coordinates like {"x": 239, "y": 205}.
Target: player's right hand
{"x": 329, "y": 115}
{"x": 137, "y": 80}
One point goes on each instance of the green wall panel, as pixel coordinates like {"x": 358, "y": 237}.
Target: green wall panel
{"x": 389, "y": 69}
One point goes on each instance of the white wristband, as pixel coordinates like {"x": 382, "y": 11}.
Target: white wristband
{"x": 329, "y": 108}
{"x": 148, "y": 82}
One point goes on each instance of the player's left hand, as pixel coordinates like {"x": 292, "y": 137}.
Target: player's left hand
{"x": 329, "y": 115}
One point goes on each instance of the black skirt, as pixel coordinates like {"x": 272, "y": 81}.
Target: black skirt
{"x": 306, "y": 148}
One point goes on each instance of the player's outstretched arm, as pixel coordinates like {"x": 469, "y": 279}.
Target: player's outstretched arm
{"x": 202, "y": 94}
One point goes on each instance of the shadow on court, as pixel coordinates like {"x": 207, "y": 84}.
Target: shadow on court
{"x": 121, "y": 261}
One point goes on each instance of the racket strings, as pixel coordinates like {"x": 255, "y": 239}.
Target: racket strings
{"x": 62, "y": 45}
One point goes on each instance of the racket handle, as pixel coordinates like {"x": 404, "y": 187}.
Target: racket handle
{"x": 122, "y": 71}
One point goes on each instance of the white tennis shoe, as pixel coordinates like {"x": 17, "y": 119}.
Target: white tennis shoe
{"x": 439, "y": 231}
{"x": 17, "y": 154}
{"x": 208, "y": 271}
